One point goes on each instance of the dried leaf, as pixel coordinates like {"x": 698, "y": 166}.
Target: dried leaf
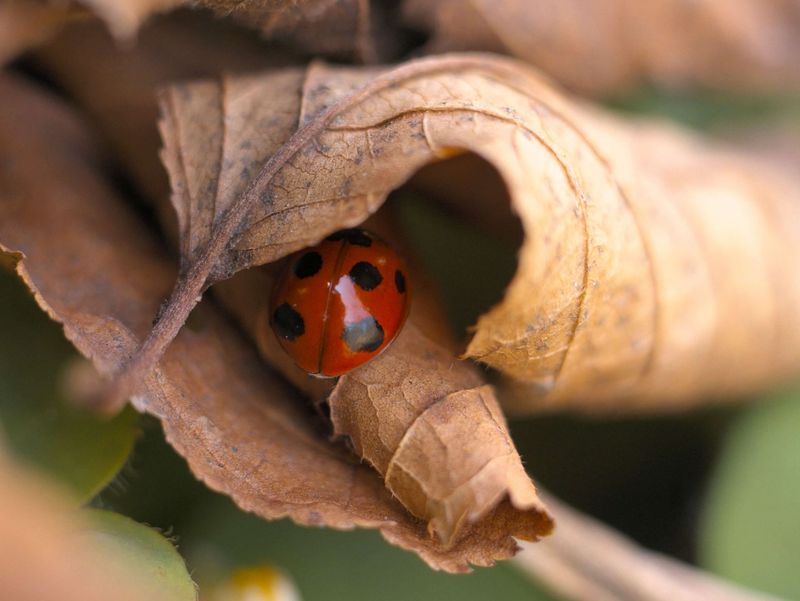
{"x": 427, "y": 422}
{"x": 642, "y": 243}
{"x": 27, "y": 23}
{"x": 346, "y": 29}
{"x": 605, "y": 46}
{"x": 355, "y": 30}
{"x": 243, "y": 431}
{"x": 435, "y": 432}
{"x": 24, "y": 24}
{"x": 84, "y": 58}
{"x": 125, "y": 17}
{"x": 246, "y": 295}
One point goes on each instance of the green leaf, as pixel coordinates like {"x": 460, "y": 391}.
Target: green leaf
{"x": 81, "y": 450}
{"x": 470, "y": 267}
{"x": 750, "y": 531}
{"x": 144, "y": 553}
{"x": 708, "y": 109}
{"x": 326, "y": 564}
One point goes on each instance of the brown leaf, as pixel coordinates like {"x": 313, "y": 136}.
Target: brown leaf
{"x": 243, "y": 431}
{"x": 643, "y": 242}
{"x": 345, "y": 29}
{"x": 356, "y": 30}
{"x": 435, "y": 432}
{"x": 246, "y": 294}
{"x": 605, "y": 46}
{"x": 27, "y": 23}
{"x": 84, "y": 58}
{"x": 427, "y": 422}
{"x": 24, "y": 24}
{"x": 124, "y": 17}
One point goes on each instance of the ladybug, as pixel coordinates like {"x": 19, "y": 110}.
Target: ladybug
{"x": 340, "y": 303}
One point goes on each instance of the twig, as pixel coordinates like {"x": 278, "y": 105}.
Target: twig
{"x": 190, "y": 286}
{"x": 585, "y": 560}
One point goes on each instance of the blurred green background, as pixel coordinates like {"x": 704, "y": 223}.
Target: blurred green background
{"x": 719, "y": 487}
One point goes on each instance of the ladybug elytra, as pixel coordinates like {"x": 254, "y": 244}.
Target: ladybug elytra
{"x": 340, "y": 303}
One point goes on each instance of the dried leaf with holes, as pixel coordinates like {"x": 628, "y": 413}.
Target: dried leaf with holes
{"x": 244, "y": 432}
{"x": 608, "y": 46}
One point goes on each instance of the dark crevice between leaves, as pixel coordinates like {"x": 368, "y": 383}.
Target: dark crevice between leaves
{"x": 456, "y": 215}
{"x": 407, "y": 41}
{"x": 644, "y": 476}
{"x": 109, "y": 165}
{"x": 318, "y": 413}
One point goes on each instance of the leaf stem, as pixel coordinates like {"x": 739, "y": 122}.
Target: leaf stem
{"x": 190, "y": 286}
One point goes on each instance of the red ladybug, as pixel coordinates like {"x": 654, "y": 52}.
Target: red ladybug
{"x": 340, "y": 303}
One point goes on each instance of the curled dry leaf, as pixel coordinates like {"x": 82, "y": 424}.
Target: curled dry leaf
{"x": 246, "y": 295}
{"x": 243, "y": 431}
{"x": 436, "y": 433}
{"x": 604, "y": 46}
{"x": 427, "y": 422}
{"x": 643, "y": 244}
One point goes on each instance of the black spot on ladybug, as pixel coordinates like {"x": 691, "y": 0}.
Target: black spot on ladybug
{"x": 400, "y": 281}
{"x": 363, "y": 336}
{"x": 288, "y": 323}
{"x": 307, "y": 265}
{"x": 365, "y": 275}
{"x": 353, "y": 236}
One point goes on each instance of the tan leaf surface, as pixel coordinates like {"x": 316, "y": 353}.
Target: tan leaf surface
{"x": 604, "y": 46}
{"x": 243, "y": 431}
{"x": 421, "y": 444}
{"x": 436, "y": 433}
{"x": 653, "y": 273}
